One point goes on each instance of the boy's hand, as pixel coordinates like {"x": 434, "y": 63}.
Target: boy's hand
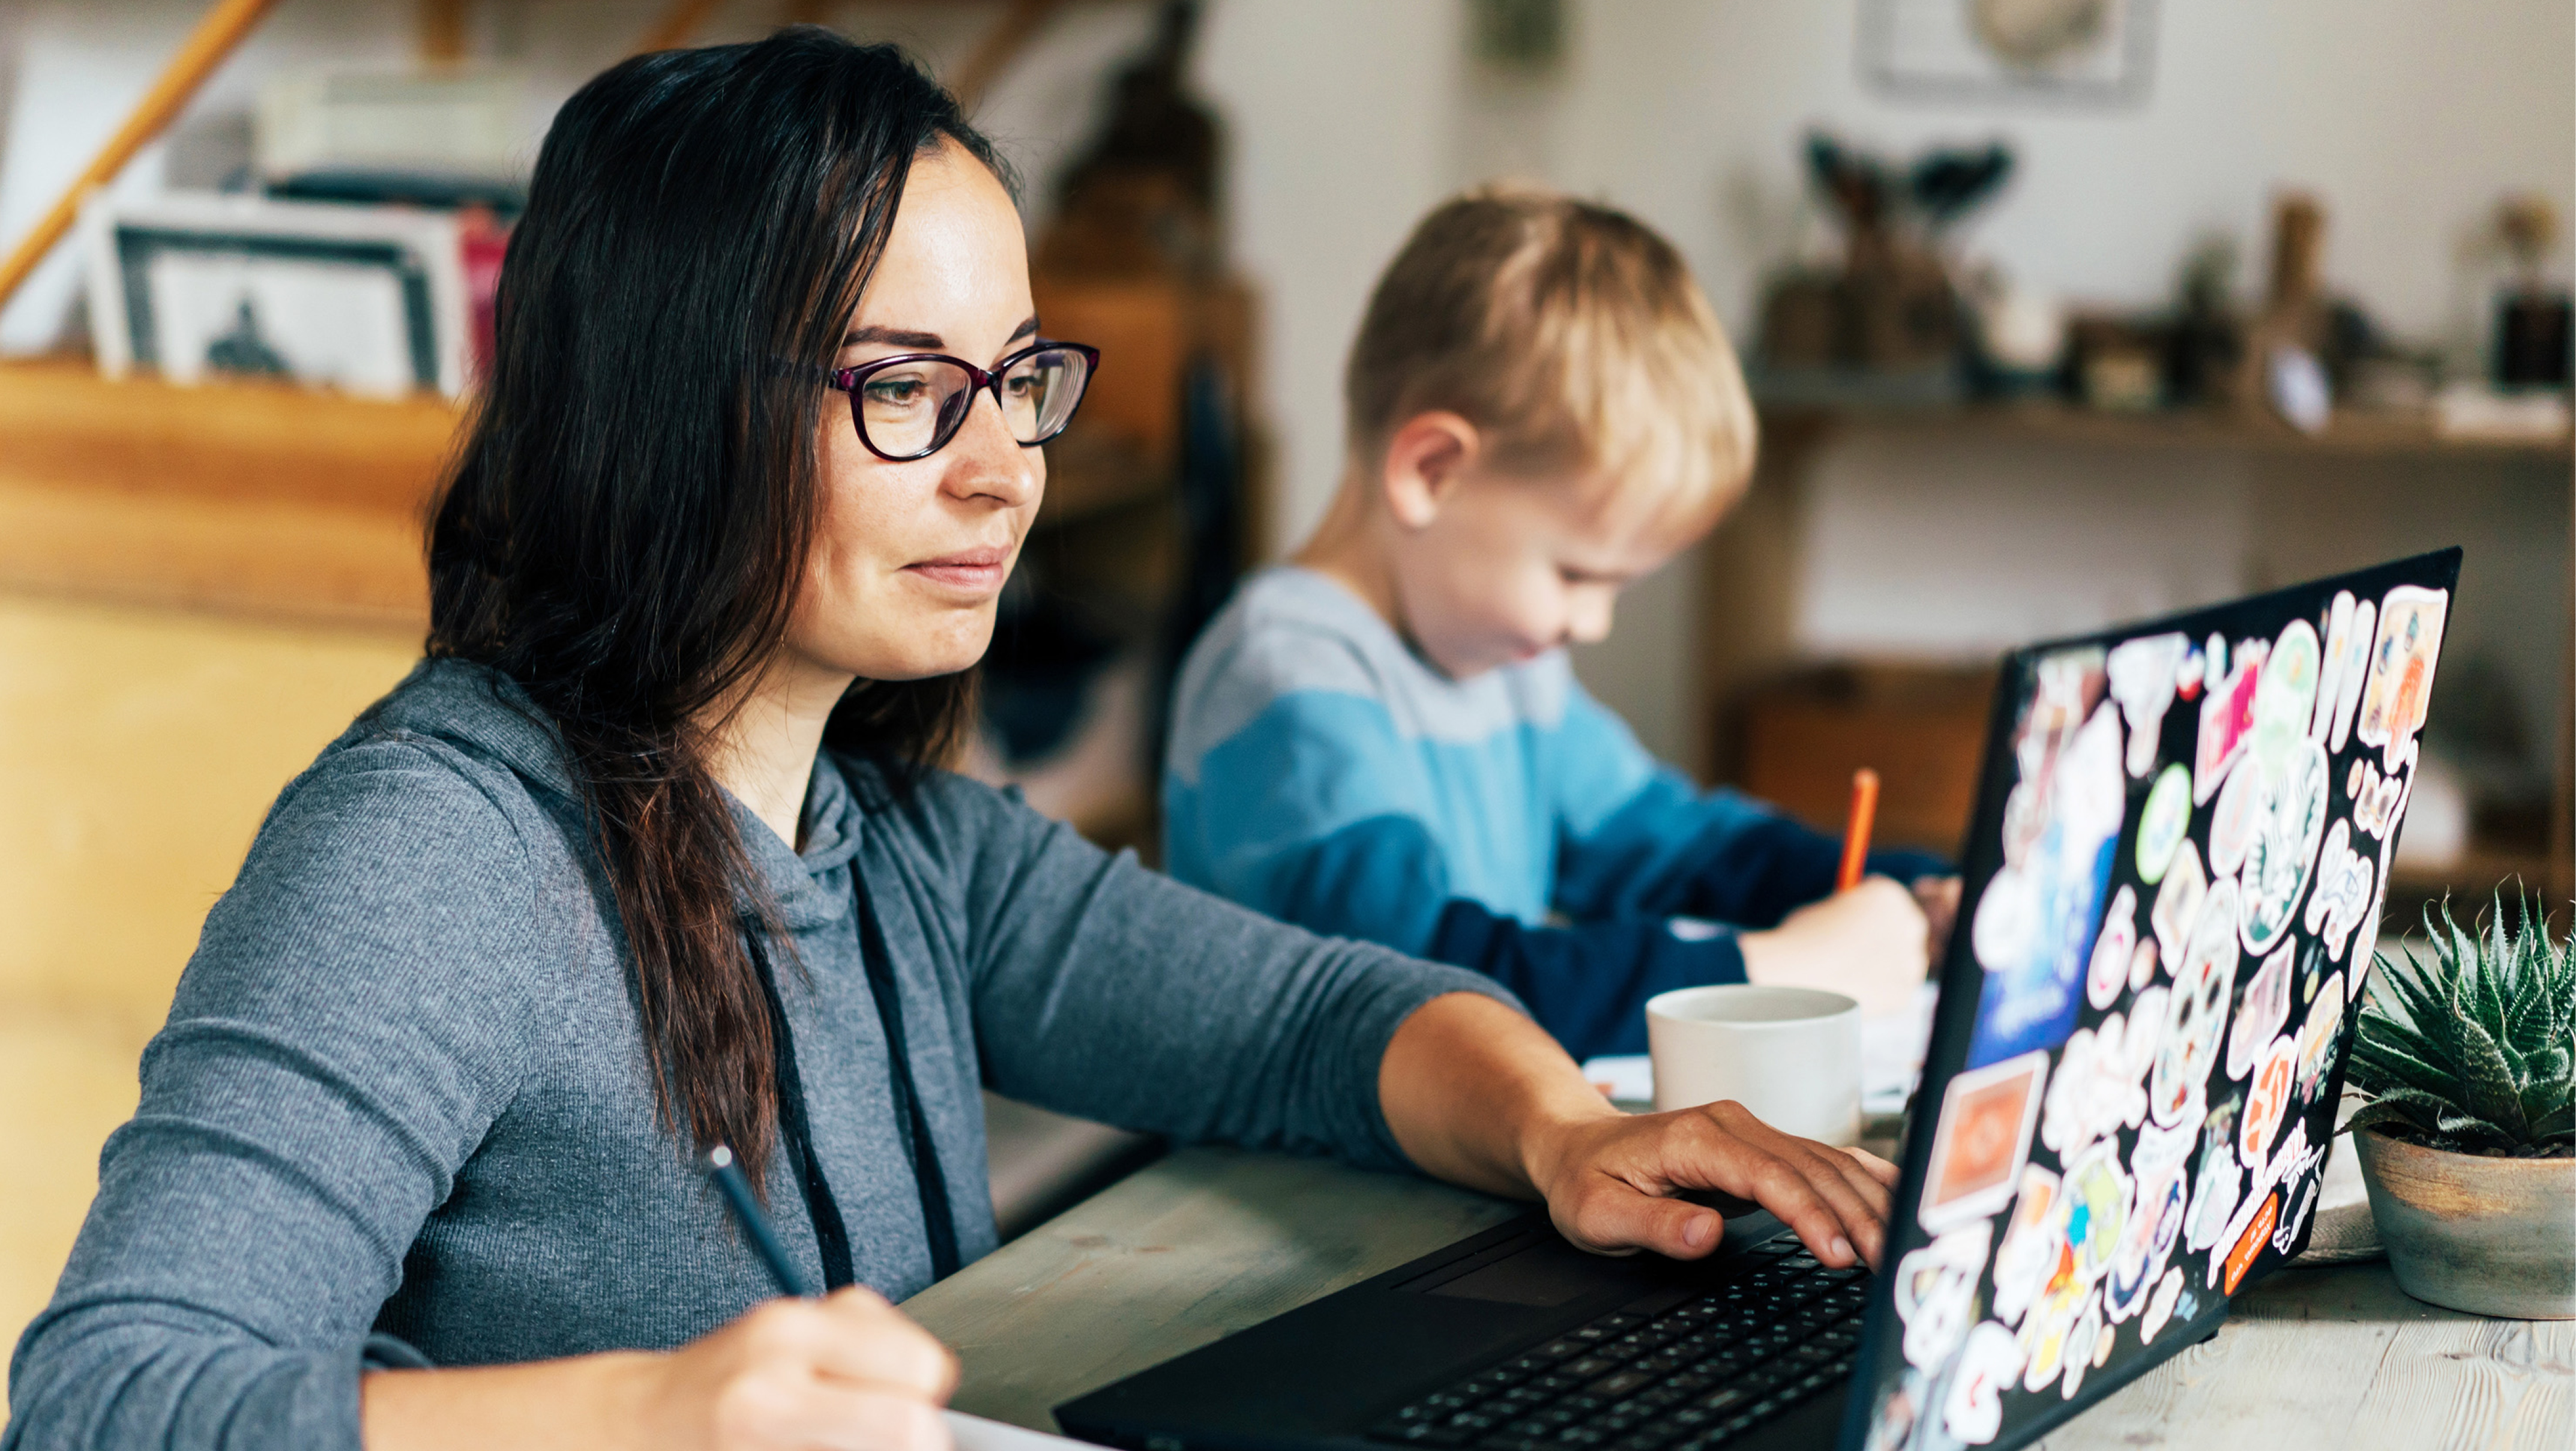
{"x": 1870, "y": 943}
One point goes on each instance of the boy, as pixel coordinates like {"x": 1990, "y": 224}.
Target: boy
{"x": 1384, "y": 739}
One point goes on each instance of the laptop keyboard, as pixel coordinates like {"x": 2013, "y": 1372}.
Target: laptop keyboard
{"x": 1695, "y": 1376}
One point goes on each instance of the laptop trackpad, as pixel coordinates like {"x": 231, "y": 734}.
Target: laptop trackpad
{"x": 1543, "y": 1273}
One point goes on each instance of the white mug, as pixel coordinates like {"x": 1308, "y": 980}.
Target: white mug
{"x": 1791, "y": 1055}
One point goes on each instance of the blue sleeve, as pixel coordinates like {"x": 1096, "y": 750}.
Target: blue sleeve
{"x": 1588, "y": 983}
{"x": 1638, "y": 839}
{"x": 1315, "y": 814}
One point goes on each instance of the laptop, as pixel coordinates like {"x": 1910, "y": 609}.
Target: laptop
{"x": 2171, "y": 899}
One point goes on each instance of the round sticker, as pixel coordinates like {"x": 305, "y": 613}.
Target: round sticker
{"x": 2283, "y": 853}
{"x": 2162, "y": 826}
{"x": 2286, "y": 699}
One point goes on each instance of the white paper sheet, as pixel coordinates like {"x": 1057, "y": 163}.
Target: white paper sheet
{"x": 974, "y": 1433}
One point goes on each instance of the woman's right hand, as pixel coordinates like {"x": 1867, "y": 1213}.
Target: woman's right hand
{"x": 849, "y": 1373}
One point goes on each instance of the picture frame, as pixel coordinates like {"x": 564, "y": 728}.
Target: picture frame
{"x": 2081, "y": 53}
{"x": 368, "y": 300}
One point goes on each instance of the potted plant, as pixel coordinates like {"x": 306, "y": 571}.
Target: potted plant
{"x": 2468, "y": 1142}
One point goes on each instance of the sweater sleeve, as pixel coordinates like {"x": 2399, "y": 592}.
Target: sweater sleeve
{"x": 1316, "y": 813}
{"x": 1638, "y": 839}
{"x": 1109, "y": 991}
{"x": 1588, "y": 983}
{"x": 348, "y": 1029}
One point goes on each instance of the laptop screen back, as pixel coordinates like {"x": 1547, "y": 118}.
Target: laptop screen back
{"x": 2172, "y": 895}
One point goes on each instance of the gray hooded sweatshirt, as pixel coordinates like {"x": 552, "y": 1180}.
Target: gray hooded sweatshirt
{"x": 402, "y": 1095}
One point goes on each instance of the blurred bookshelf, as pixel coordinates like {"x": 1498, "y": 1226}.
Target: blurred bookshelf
{"x": 1791, "y": 727}
{"x": 2347, "y": 432}
{"x": 250, "y": 498}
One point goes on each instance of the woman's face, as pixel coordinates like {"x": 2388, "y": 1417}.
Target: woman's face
{"x": 910, "y": 557}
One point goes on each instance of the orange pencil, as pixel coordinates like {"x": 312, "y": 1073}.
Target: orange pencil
{"x": 1864, "y": 810}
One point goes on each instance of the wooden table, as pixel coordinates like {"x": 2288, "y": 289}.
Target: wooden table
{"x": 1208, "y": 1241}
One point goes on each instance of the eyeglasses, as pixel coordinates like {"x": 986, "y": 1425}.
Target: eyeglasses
{"x": 909, "y": 406}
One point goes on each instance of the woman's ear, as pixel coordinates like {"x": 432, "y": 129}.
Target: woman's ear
{"x": 1427, "y": 457}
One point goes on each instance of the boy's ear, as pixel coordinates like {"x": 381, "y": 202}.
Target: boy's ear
{"x": 1427, "y": 457}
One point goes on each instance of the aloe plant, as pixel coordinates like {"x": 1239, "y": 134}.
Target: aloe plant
{"x": 2475, "y": 1052}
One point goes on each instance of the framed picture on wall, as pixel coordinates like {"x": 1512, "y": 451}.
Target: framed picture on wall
{"x": 2081, "y": 52}
{"x": 368, "y": 300}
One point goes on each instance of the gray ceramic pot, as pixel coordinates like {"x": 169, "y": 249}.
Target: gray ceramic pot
{"x": 2467, "y": 1232}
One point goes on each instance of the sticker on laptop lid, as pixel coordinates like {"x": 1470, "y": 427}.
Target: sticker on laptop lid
{"x": 2398, "y": 682}
{"x": 2265, "y": 1007}
{"x": 1936, "y": 1292}
{"x": 2164, "y": 823}
{"x": 2241, "y": 1257}
{"x": 2108, "y": 973}
{"x": 2339, "y": 658}
{"x": 1982, "y": 1139}
{"x": 2217, "y": 1184}
{"x": 2143, "y": 674}
{"x": 2267, "y": 1101}
{"x": 2034, "y": 925}
{"x": 2226, "y": 719}
{"x": 2178, "y": 904}
{"x": 2319, "y": 1036}
{"x": 2197, "y": 1021}
{"x": 2344, "y": 881}
{"x": 1972, "y": 1413}
{"x": 2160, "y": 1306}
{"x": 2283, "y": 853}
{"x": 2030, "y": 1245}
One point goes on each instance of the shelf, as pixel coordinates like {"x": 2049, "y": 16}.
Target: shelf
{"x": 239, "y": 498}
{"x": 2473, "y": 880}
{"x": 2348, "y": 434}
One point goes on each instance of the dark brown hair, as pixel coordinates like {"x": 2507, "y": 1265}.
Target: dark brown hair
{"x": 629, "y": 519}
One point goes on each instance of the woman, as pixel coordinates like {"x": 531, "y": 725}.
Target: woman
{"x": 646, "y": 858}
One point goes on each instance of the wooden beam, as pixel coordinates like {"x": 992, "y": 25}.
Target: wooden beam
{"x": 679, "y": 23}
{"x": 206, "y": 48}
{"x": 1000, "y": 46}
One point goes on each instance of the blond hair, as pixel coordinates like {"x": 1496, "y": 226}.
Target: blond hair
{"x": 1570, "y": 334}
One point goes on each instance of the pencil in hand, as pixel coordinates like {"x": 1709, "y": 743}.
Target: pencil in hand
{"x": 1864, "y": 811}
{"x": 755, "y": 1225}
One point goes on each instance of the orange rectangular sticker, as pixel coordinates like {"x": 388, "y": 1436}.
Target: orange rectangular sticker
{"x": 2248, "y": 1245}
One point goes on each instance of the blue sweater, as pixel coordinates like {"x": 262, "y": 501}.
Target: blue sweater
{"x": 1322, "y": 772}
{"x": 403, "y": 1097}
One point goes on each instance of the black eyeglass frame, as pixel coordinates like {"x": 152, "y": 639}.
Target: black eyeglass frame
{"x": 849, "y": 380}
